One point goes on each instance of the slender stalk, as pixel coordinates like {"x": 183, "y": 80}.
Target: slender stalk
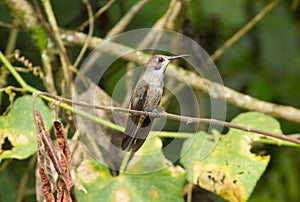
{"x": 125, "y": 162}
{"x": 90, "y": 34}
{"x": 97, "y": 14}
{"x": 123, "y": 23}
{"x": 12, "y": 40}
{"x": 65, "y": 61}
{"x": 244, "y": 30}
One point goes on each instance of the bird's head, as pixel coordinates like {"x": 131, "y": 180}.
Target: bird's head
{"x": 159, "y": 63}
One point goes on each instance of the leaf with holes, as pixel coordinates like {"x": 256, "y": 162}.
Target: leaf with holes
{"x": 17, "y": 129}
{"x": 231, "y": 170}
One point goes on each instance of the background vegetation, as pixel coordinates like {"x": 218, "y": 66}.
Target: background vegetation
{"x": 263, "y": 63}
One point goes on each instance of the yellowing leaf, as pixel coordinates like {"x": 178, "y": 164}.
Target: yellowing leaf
{"x": 231, "y": 170}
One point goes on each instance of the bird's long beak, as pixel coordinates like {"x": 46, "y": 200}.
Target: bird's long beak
{"x": 177, "y": 56}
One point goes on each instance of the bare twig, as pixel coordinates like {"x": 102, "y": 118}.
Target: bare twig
{"x": 174, "y": 117}
{"x": 90, "y": 34}
{"x": 97, "y": 14}
{"x": 244, "y": 30}
{"x": 46, "y": 58}
{"x": 12, "y": 41}
{"x": 123, "y": 23}
{"x": 54, "y": 33}
{"x": 168, "y": 18}
{"x": 10, "y": 46}
{"x": 10, "y": 26}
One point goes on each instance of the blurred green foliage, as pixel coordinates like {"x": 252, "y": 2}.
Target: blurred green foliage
{"x": 264, "y": 63}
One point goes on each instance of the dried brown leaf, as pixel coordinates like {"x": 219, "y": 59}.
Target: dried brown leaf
{"x": 65, "y": 152}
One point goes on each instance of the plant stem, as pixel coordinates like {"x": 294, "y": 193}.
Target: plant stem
{"x": 125, "y": 162}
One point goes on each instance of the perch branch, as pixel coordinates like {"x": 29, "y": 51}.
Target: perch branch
{"x": 172, "y": 116}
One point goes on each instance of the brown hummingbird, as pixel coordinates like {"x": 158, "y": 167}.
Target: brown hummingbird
{"x": 146, "y": 97}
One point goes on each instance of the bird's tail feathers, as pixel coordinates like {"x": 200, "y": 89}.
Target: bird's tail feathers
{"x": 137, "y": 129}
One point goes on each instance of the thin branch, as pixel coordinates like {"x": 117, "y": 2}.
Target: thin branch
{"x": 10, "y": 26}
{"x": 168, "y": 18}
{"x": 46, "y": 58}
{"x": 10, "y": 46}
{"x": 123, "y": 23}
{"x": 65, "y": 61}
{"x": 12, "y": 41}
{"x": 28, "y": 20}
{"x": 90, "y": 34}
{"x": 244, "y": 30}
{"x": 173, "y": 116}
{"x": 97, "y": 14}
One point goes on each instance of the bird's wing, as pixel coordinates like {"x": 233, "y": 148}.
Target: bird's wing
{"x": 136, "y": 126}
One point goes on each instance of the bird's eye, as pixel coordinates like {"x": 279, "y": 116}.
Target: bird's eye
{"x": 160, "y": 59}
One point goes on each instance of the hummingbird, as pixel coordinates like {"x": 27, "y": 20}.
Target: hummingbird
{"x": 146, "y": 97}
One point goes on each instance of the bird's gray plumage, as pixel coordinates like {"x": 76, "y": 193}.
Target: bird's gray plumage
{"x": 146, "y": 97}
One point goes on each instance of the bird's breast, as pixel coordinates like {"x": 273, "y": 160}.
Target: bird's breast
{"x": 154, "y": 95}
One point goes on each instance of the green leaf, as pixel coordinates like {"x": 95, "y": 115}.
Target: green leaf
{"x": 149, "y": 177}
{"x": 17, "y": 129}
{"x": 231, "y": 170}
{"x": 149, "y": 158}
{"x": 164, "y": 185}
